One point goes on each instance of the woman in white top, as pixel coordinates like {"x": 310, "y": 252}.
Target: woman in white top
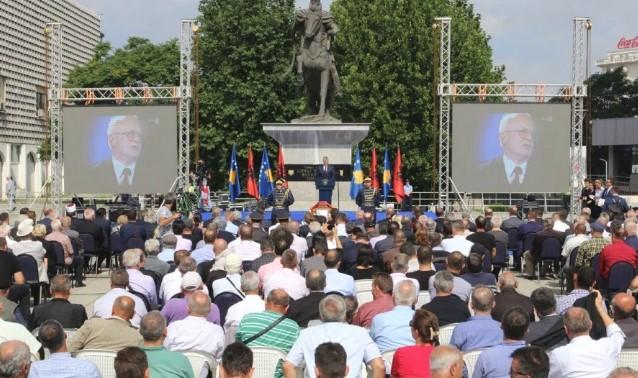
{"x": 24, "y": 244}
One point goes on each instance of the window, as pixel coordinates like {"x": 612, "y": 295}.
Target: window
{"x": 40, "y": 101}
{"x": 3, "y": 93}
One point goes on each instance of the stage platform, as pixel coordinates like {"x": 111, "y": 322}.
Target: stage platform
{"x": 298, "y": 215}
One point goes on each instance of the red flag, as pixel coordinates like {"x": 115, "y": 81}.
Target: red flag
{"x": 373, "y": 169}
{"x": 281, "y": 166}
{"x": 397, "y": 179}
{"x": 251, "y": 185}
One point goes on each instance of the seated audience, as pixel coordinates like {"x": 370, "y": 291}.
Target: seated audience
{"x": 267, "y": 255}
{"x": 414, "y": 360}
{"x": 25, "y": 244}
{"x": 508, "y": 297}
{"x": 623, "y": 306}
{"x": 169, "y": 242}
{"x": 16, "y": 331}
{"x": 496, "y": 361}
{"x": 59, "y": 308}
{"x": 237, "y": 362}
{"x": 133, "y": 261}
{"x": 60, "y": 363}
{"x": 457, "y": 242}
{"x": 251, "y": 303}
{"x": 205, "y": 252}
{"x": 12, "y": 312}
{"x": 330, "y": 361}
{"x": 364, "y": 267}
{"x": 584, "y": 281}
{"x": 337, "y": 282}
{"x": 77, "y": 262}
{"x": 446, "y": 362}
{"x": 177, "y": 308}
{"x": 306, "y": 309}
{"x": 112, "y": 333}
{"x": 12, "y": 280}
{"x": 584, "y": 356}
{"x": 399, "y": 268}
{"x": 391, "y": 330}
{"x": 617, "y": 251}
{"x": 475, "y": 275}
{"x": 244, "y": 245}
{"x": 355, "y": 340}
{"x": 530, "y": 361}
{"x": 195, "y": 333}
{"x": 424, "y": 256}
{"x": 232, "y": 282}
{"x": 462, "y": 289}
{"x": 182, "y": 242}
{"x": 623, "y": 372}
{"x": 480, "y": 330}
{"x": 287, "y": 278}
{"x": 119, "y": 283}
{"x": 548, "y": 331}
{"x": 388, "y": 256}
{"x": 382, "y": 286}
{"x": 590, "y": 248}
{"x": 254, "y": 328}
{"x": 15, "y": 359}
{"x": 496, "y": 231}
{"x": 171, "y": 285}
{"x": 282, "y": 239}
{"x": 152, "y": 262}
{"x": 131, "y": 362}
{"x": 447, "y": 307}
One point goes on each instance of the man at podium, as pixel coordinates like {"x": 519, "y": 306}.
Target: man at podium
{"x": 325, "y": 180}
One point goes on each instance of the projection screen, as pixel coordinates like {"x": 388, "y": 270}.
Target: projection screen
{"x": 511, "y": 147}
{"x": 119, "y": 149}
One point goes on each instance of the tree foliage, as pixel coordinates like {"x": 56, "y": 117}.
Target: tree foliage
{"x": 613, "y": 95}
{"x": 385, "y": 53}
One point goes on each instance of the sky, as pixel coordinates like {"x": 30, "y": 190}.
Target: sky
{"x": 532, "y": 38}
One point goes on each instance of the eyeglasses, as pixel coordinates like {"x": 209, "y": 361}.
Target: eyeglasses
{"x": 131, "y": 134}
{"x": 521, "y": 132}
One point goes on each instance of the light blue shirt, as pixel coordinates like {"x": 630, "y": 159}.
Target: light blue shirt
{"x": 62, "y": 365}
{"x": 355, "y": 341}
{"x": 479, "y": 331}
{"x": 339, "y": 282}
{"x": 496, "y": 361}
{"x": 391, "y": 330}
{"x": 166, "y": 255}
{"x": 204, "y": 253}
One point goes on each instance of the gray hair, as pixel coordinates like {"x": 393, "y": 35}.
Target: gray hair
{"x": 404, "y": 293}
{"x": 332, "y": 308}
{"x": 152, "y": 326}
{"x": 482, "y": 298}
{"x": 444, "y": 281}
{"x": 577, "y": 320}
{"x": 169, "y": 241}
{"x": 152, "y": 247}
{"x": 400, "y": 263}
{"x": 623, "y": 372}
{"x": 187, "y": 264}
{"x": 132, "y": 257}
{"x": 89, "y": 214}
{"x": 14, "y": 357}
{"x": 199, "y": 304}
{"x": 443, "y": 357}
{"x": 220, "y": 223}
{"x": 56, "y": 225}
{"x": 249, "y": 281}
{"x": 496, "y": 221}
{"x": 60, "y": 284}
{"x": 236, "y": 214}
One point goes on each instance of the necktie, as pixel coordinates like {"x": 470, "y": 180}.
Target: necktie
{"x": 518, "y": 171}
{"x": 126, "y": 173}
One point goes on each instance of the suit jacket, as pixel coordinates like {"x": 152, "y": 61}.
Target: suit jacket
{"x": 68, "y": 314}
{"x": 106, "y": 334}
{"x": 47, "y": 223}
{"x": 542, "y": 329}
{"x": 106, "y": 174}
{"x": 629, "y": 327}
{"x": 509, "y": 298}
{"x": 494, "y": 176}
{"x": 305, "y": 309}
{"x": 512, "y": 222}
{"x": 325, "y": 180}
{"x": 132, "y": 230}
{"x": 88, "y": 227}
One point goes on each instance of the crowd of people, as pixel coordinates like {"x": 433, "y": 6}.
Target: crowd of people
{"x": 405, "y": 296}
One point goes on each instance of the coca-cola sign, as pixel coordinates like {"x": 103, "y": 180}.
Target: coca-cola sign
{"x": 625, "y": 43}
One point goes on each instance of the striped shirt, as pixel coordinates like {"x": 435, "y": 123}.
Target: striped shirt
{"x": 589, "y": 249}
{"x": 281, "y": 337}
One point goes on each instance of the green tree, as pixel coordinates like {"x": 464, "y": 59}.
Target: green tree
{"x": 613, "y": 95}
{"x": 246, "y": 47}
{"x": 385, "y": 51}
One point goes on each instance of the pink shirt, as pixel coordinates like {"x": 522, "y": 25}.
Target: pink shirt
{"x": 65, "y": 241}
{"x": 183, "y": 243}
{"x": 265, "y": 270}
{"x": 366, "y": 312}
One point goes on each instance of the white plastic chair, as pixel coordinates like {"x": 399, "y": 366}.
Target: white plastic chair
{"x": 424, "y": 298}
{"x": 363, "y": 285}
{"x": 387, "y": 359}
{"x": 445, "y": 334}
{"x": 265, "y": 361}
{"x": 201, "y": 364}
{"x": 470, "y": 359}
{"x": 103, "y": 359}
{"x": 628, "y": 358}
{"x": 364, "y": 297}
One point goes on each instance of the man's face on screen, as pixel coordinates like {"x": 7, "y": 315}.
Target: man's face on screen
{"x": 517, "y": 139}
{"x": 126, "y": 140}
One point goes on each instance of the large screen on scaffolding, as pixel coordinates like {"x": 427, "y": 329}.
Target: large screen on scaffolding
{"x": 511, "y": 147}
{"x": 119, "y": 149}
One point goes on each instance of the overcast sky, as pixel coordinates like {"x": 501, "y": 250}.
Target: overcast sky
{"x": 532, "y": 38}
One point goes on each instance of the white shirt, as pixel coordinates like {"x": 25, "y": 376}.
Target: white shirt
{"x": 337, "y": 281}
{"x": 172, "y": 284}
{"x": 377, "y": 239}
{"x": 166, "y": 255}
{"x": 118, "y": 168}
{"x": 204, "y": 253}
{"x": 286, "y": 279}
{"x": 560, "y": 226}
{"x": 299, "y": 245}
{"x": 183, "y": 243}
{"x": 195, "y": 334}
{"x": 251, "y": 304}
{"x": 398, "y": 277}
{"x": 16, "y": 331}
{"x": 586, "y": 357}
{"x": 232, "y": 228}
{"x": 509, "y": 170}
{"x": 355, "y": 341}
{"x": 222, "y": 285}
{"x": 572, "y": 243}
{"x": 35, "y": 249}
{"x": 457, "y": 243}
{"x": 103, "y": 306}
{"x": 249, "y": 250}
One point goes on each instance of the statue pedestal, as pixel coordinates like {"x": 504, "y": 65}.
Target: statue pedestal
{"x": 305, "y": 145}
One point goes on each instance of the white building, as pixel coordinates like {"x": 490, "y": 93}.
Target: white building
{"x": 625, "y": 55}
{"x": 24, "y": 75}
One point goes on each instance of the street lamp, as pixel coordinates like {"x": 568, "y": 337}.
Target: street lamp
{"x": 604, "y": 161}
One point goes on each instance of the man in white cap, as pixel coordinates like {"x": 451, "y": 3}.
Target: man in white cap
{"x": 232, "y": 282}
{"x": 24, "y": 244}
{"x": 177, "y": 308}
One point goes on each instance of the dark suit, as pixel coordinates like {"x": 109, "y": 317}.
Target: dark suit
{"x": 542, "y": 328}
{"x": 47, "y": 223}
{"x": 629, "y": 327}
{"x": 68, "y": 314}
{"x": 305, "y": 309}
{"x": 325, "y": 181}
{"x": 509, "y": 298}
{"x": 106, "y": 174}
{"x": 494, "y": 176}
{"x": 132, "y": 230}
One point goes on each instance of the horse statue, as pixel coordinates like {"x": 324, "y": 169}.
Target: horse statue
{"x": 316, "y": 69}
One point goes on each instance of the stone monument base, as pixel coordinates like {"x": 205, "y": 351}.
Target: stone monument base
{"x": 304, "y": 146}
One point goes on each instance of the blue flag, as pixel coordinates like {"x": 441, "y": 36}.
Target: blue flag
{"x": 266, "y": 183}
{"x": 357, "y": 175}
{"x": 233, "y": 177}
{"x": 387, "y": 176}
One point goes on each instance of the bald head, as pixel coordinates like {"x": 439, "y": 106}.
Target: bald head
{"x": 405, "y": 293}
{"x": 219, "y": 246}
{"x": 507, "y": 280}
{"x": 199, "y": 304}
{"x": 15, "y": 359}
{"x": 577, "y": 322}
{"x": 245, "y": 232}
{"x": 482, "y": 299}
{"x": 277, "y": 301}
{"x": 446, "y": 361}
{"x": 124, "y": 307}
{"x": 623, "y": 306}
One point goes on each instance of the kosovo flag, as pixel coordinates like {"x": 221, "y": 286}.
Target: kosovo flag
{"x": 233, "y": 177}
{"x": 387, "y": 176}
{"x": 266, "y": 183}
{"x": 357, "y": 175}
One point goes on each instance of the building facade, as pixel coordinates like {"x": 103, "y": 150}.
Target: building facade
{"x": 625, "y": 55}
{"x": 24, "y": 75}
